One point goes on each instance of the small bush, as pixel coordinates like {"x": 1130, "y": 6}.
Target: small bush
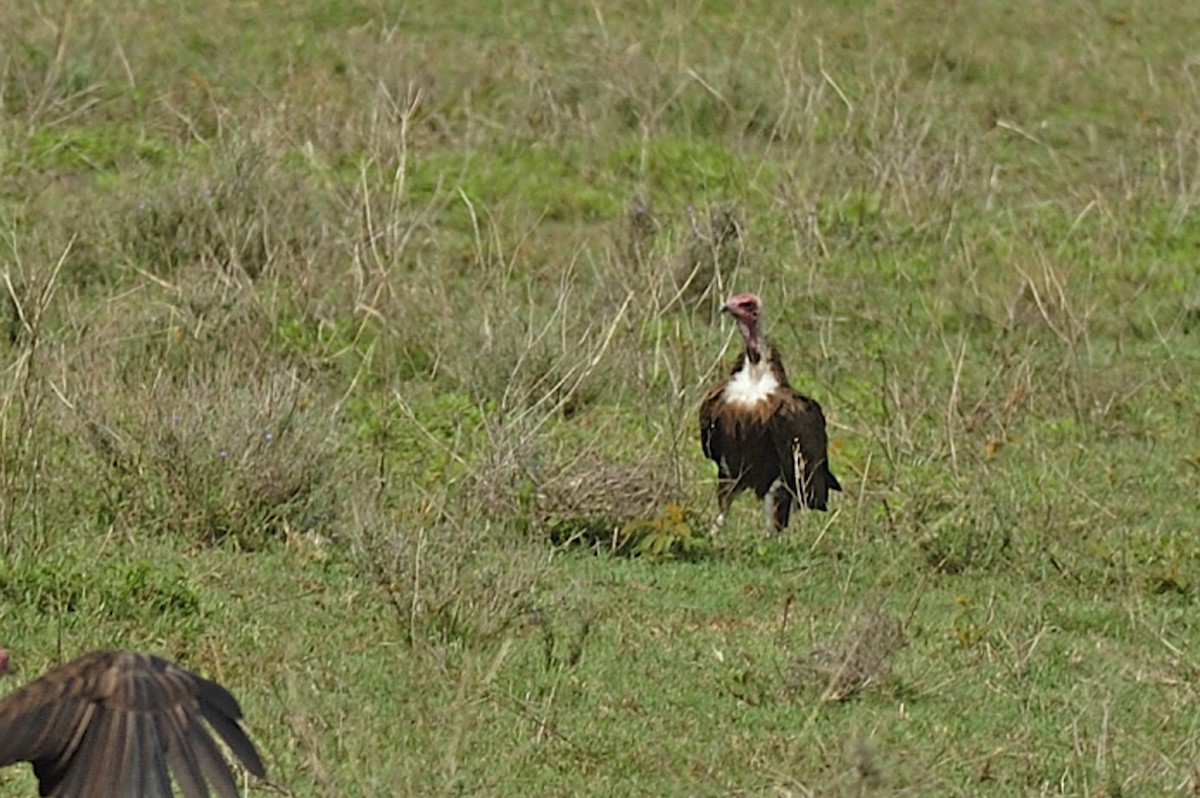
{"x": 451, "y": 583}
{"x": 249, "y": 465}
{"x": 842, "y": 667}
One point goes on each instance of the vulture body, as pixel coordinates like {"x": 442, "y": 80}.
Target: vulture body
{"x": 762, "y": 434}
{"x": 119, "y": 724}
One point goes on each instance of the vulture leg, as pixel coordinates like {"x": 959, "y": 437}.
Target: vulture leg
{"x": 779, "y": 506}
{"x": 726, "y": 488}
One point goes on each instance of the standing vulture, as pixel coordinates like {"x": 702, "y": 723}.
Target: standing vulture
{"x": 762, "y": 434}
{"x": 119, "y": 724}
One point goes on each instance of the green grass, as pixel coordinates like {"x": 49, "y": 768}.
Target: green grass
{"x": 321, "y": 323}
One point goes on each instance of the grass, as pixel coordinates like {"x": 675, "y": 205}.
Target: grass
{"x": 352, "y": 357}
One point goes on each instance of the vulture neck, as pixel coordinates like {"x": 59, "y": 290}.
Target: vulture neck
{"x": 759, "y": 373}
{"x": 755, "y": 346}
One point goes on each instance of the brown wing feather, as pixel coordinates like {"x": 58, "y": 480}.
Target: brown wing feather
{"x": 112, "y": 723}
{"x": 711, "y": 439}
{"x": 798, "y": 432}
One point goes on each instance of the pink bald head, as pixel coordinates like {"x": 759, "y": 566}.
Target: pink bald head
{"x": 745, "y": 309}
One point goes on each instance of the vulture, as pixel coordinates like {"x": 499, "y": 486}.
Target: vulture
{"x": 119, "y": 724}
{"x": 761, "y": 433}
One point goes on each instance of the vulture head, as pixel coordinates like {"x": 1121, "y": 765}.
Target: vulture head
{"x": 745, "y": 309}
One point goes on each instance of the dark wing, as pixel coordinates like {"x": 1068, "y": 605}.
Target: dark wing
{"x": 118, "y": 723}
{"x": 710, "y": 427}
{"x": 798, "y": 432}
{"x": 711, "y": 439}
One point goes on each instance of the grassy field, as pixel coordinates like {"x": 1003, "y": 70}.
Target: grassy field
{"x": 352, "y": 351}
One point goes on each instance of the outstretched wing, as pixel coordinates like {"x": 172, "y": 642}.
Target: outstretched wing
{"x": 798, "y": 433}
{"x": 119, "y": 723}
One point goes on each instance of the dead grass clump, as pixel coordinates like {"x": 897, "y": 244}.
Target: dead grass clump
{"x": 501, "y": 482}
{"x": 625, "y": 508}
{"x": 634, "y": 507}
{"x": 690, "y": 260}
{"x": 209, "y": 460}
{"x": 714, "y": 252}
{"x": 243, "y": 216}
{"x": 592, "y": 487}
{"x": 450, "y": 581}
{"x": 841, "y": 668}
